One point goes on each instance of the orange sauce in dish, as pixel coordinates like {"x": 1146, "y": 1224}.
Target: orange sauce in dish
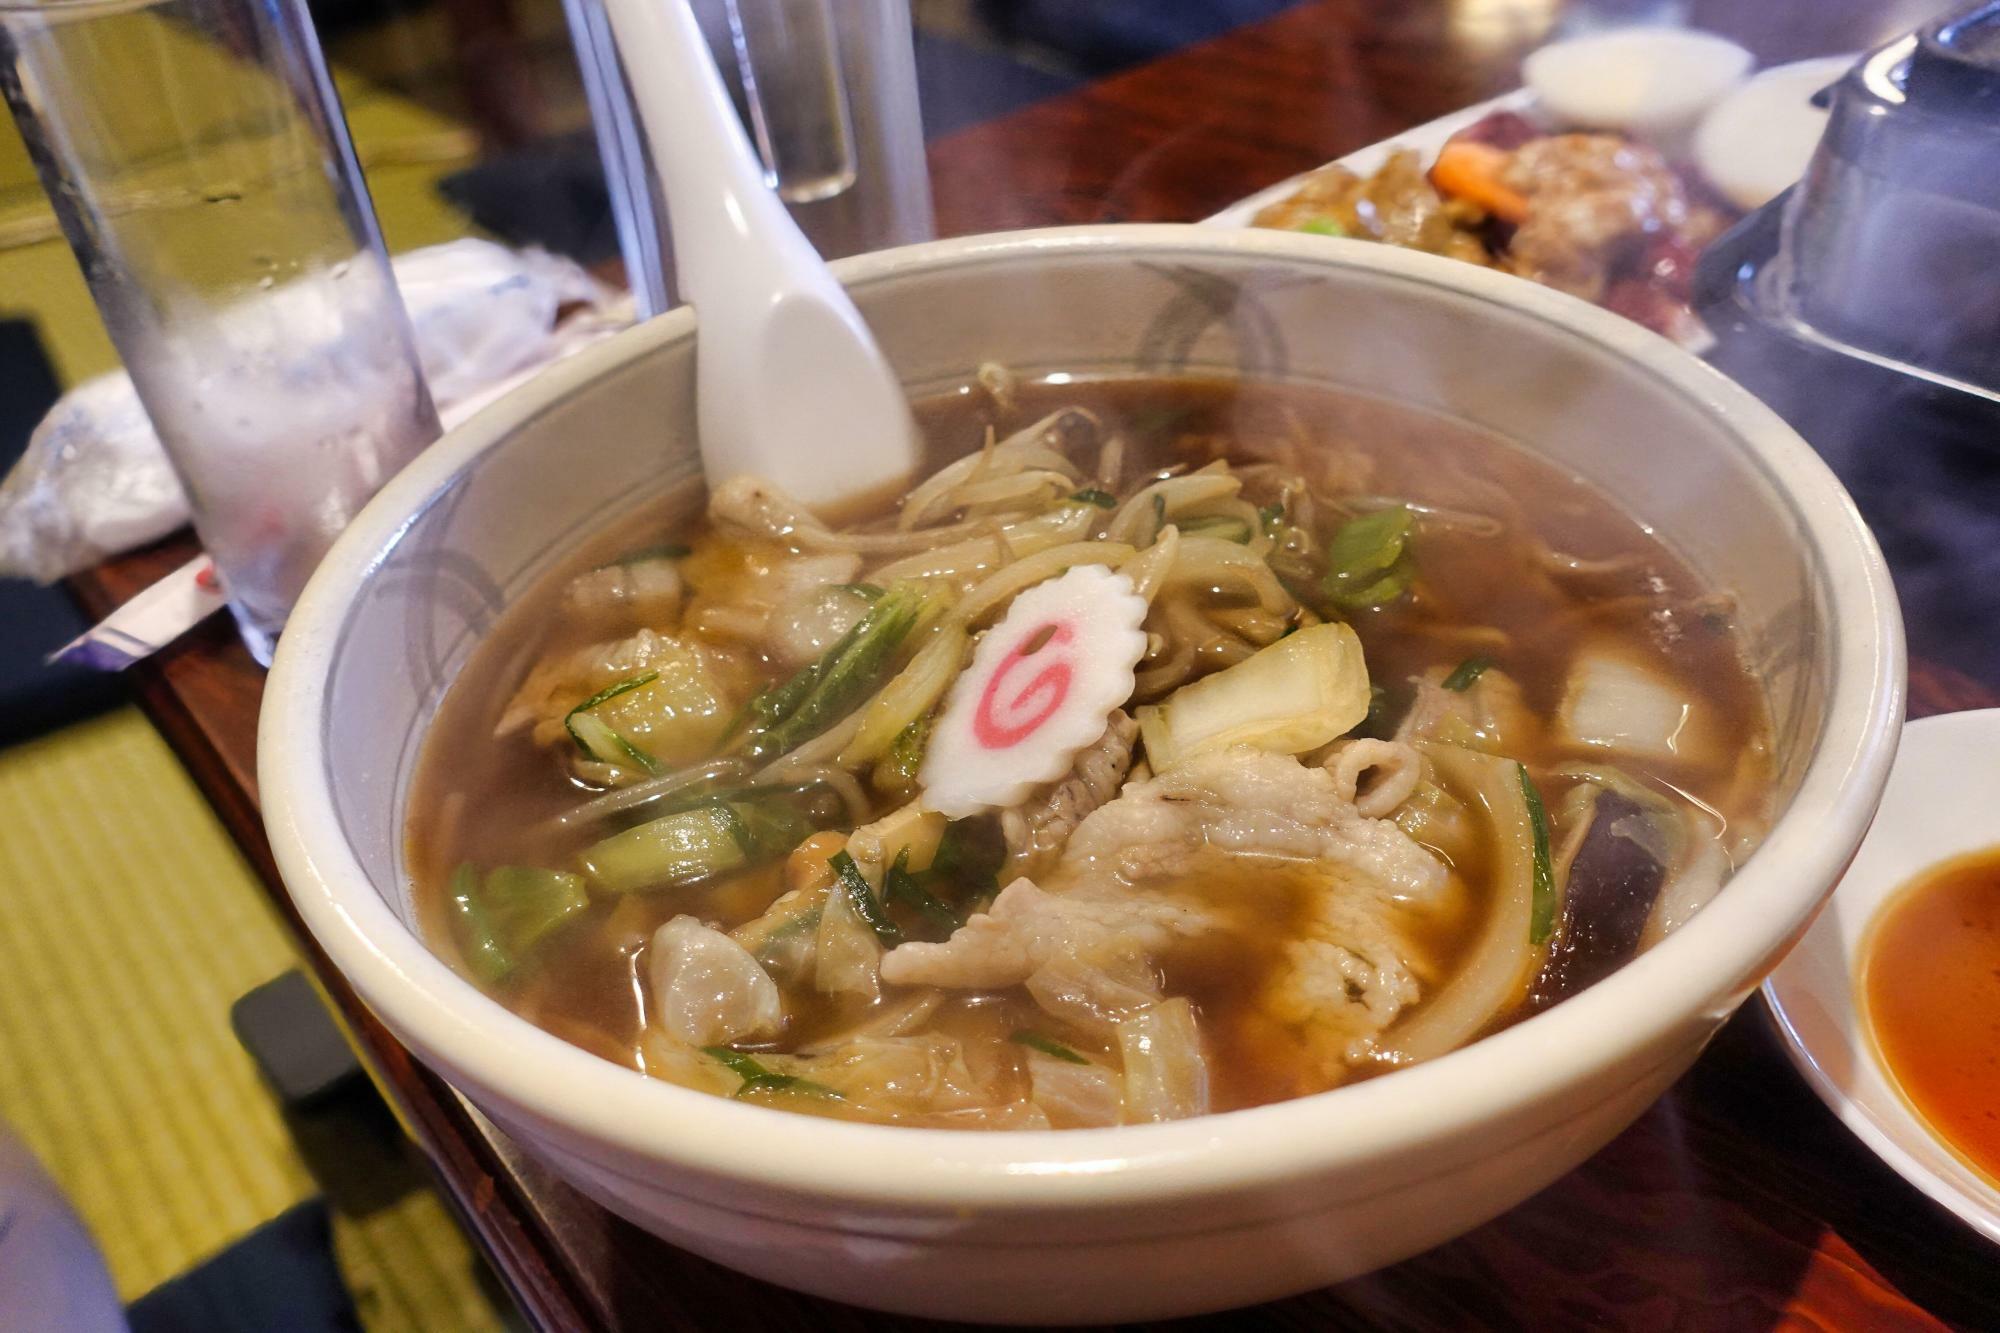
{"x": 1930, "y": 981}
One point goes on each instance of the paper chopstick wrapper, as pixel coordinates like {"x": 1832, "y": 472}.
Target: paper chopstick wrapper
{"x": 151, "y": 620}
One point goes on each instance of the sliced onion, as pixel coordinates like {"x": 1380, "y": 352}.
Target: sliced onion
{"x": 1074, "y": 1096}
{"x": 1502, "y": 960}
{"x": 1177, "y": 495}
{"x": 1000, "y": 587}
{"x": 995, "y": 545}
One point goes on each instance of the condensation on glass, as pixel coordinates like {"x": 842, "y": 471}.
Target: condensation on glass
{"x": 196, "y": 158}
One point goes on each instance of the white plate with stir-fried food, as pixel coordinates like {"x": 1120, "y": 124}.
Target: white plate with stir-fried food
{"x": 1292, "y": 788}
{"x": 1585, "y": 180}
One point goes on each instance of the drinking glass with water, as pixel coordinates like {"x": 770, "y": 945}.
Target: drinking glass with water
{"x": 196, "y": 157}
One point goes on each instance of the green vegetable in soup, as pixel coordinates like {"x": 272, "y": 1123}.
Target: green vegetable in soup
{"x": 855, "y": 885}
{"x": 1091, "y": 495}
{"x": 1542, "y": 920}
{"x": 1367, "y": 562}
{"x": 757, "y": 1078}
{"x": 1271, "y": 519}
{"x": 1323, "y": 227}
{"x": 968, "y": 859}
{"x": 674, "y": 713}
{"x": 690, "y": 846}
{"x": 498, "y": 920}
{"x": 823, "y": 692}
{"x": 598, "y": 738}
{"x": 1035, "y": 1041}
{"x": 898, "y": 769}
{"x": 1466, "y": 672}
{"x": 900, "y": 887}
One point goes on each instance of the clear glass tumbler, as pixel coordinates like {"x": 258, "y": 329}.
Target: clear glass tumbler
{"x": 196, "y": 157}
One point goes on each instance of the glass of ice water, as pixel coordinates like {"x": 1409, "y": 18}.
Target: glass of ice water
{"x": 196, "y": 157}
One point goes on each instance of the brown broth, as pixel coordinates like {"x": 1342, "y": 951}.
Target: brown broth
{"x": 1930, "y": 982}
{"x": 492, "y": 801}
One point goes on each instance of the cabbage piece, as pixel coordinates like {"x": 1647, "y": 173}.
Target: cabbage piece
{"x": 891, "y": 1076}
{"x": 908, "y": 698}
{"x": 662, "y": 1056}
{"x": 1614, "y": 703}
{"x": 807, "y": 624}
{"x": 1074, "y": 1096}
{"x": 1487, "y": 713}
{"x": 1093, "y": 995}
{"x": 1007, "y": 1115}
{"x": 1166, "y": 1076}
{"x": 1295, "y": 695}
{"x": 1694, "y": 882}
{"x": 707, "y": 990}
{"x": 785, "y": 938}
{"x": 678, "y": 716}
{"x": 848, "y": 955}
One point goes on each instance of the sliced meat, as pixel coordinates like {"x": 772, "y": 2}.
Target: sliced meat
{"x": 1027, "y": 927}
{"x": 1037, "y": 829}
{"x": 1592, "y": 198}
{"x": 1245, "y": 802}
{"x": 1135, "y": 882}
{"x": 1376, "y": 775}
{"x": 1347, "y": 982}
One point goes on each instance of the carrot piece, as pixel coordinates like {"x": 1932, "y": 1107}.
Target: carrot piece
{"x": 1471, "y": 171}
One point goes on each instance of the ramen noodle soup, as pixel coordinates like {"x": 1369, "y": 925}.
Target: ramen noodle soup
{"x": 1171, "y": 747}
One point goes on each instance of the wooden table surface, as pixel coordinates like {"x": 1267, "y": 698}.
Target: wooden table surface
{"x": 1736, "y": 1202}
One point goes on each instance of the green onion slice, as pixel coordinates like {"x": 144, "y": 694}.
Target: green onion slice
{"x": 855, "y": 885}
{"x": 1035, "y": 1041}
{"x": 1542, "y": 919}
{"x": 1462, "y": 675}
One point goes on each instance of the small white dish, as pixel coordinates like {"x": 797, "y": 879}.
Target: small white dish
{"x": 1755, "y": 143}
{"x": 1652, "y": 82}
{"x": 1940, "y": 803}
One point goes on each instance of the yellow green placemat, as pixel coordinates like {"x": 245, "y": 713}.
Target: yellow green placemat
{"x": 129, "y": 924}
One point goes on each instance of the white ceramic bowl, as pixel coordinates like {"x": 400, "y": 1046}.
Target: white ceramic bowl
{"x": 1132, "y": 1222}
{"x": 1940, "y": 803}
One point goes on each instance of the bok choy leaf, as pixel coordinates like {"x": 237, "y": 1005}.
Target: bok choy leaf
{"x": 500, "y": 918}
